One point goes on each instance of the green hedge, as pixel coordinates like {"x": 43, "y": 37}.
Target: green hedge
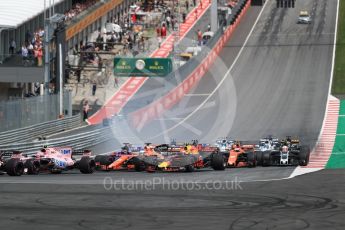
{"x": 339, "y": 68}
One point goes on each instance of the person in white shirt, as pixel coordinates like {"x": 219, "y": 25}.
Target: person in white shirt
{"x": 12, "y": 46}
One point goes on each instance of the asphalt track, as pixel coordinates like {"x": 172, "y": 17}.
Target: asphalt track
{"x": 311, "y": 201}
{"x": 278, "y": 84}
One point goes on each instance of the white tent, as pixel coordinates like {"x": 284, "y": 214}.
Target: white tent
{"x": 13, "y": 13}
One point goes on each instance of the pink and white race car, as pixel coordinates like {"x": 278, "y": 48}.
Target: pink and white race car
{"x": 53, "y": 159}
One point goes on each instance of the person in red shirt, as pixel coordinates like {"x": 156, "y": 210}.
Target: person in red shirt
{"x": 158, "y": 31}
{"x": 199, "y": 34}
{"x": 163, "y": 31}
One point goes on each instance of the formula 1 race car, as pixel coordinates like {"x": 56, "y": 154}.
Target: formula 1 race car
{"x": 224, "y": 144}
{"x": 268, "y": 143}
{"x": 14, "y": 163}
{"x": 181, "y": 158}
{"x": 291, "y": 153}
{"x": 291, "y": 142}
{"x": 126, "y": 158}
{"x": 54, "y": 160}
{"x": 241, "y": 155}
{"x": 304, "y": 17}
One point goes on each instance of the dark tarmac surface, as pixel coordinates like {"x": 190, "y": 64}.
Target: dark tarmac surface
{"x": 311, "y": 201}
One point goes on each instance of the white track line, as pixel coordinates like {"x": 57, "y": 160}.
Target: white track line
{"x": 299, "y": 170}
{"x": 332, "y": 69}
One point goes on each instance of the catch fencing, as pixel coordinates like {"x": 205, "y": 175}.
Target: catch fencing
{"x": 29, "y": 111}
{"x": 77, "y": 141}
{"x": 40, "y": 131}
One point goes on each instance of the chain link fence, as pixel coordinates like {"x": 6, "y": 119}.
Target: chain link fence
{"x": 24, "y": 112}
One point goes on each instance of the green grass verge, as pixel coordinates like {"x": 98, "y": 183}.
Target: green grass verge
{"x": 342, "y": 107}
{"x": 337, "y": 159}
{"x": 339, "y": 68}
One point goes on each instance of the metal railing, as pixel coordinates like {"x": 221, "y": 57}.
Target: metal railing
{"x": 39, "y": 131}
{"x": 18, "y": 60}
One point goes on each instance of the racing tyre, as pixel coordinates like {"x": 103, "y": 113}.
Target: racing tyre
{"x": 251, "y": 159}
{"x": 150, "y": 168}
{"x": 14, "y": 167}
{"x": 87, "y": 165}
{"x": 217, "y": 161}
{"x": 258, "y": 156}
{"x": 266, "y": 158}
{"x": 139, "y": 165}
{"x": 104, "y": 159}
{"x": 189, "y": 168}
{"x": 304, "y": 156}
{"x": 33, "y": 167}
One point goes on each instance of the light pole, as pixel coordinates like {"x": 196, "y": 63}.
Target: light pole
{"x": 214, "y": 16}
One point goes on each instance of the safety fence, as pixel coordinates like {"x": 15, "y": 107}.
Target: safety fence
{"x": 76, "y": 141}
{"x": 29, "y": 111}
{"x": 41, "y": 130}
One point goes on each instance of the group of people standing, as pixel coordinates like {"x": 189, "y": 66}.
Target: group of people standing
{"x": 32, "y": 48}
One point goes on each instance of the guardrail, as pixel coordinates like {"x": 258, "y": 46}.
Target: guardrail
{"x": 76, "y": 141}
{"x": 40, "y": 130}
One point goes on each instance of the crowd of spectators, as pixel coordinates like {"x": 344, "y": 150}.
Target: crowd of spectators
{"x": 78, "y": 8}
{"x": 32, "y": 48}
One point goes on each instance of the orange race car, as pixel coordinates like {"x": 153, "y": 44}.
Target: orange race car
{"x": 241, "y": 155}
{"x": 128, "y": 157}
